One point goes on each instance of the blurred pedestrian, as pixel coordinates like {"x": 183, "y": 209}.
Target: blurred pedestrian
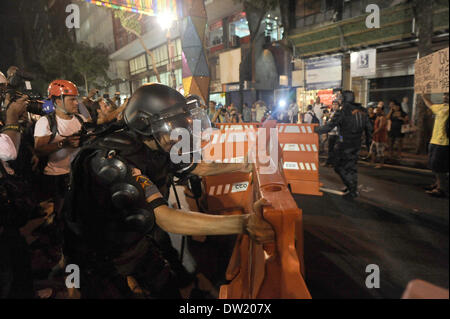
{"x": 333, "y": 136}
{"x": 293, "y": 112}
{"x": 221, "y": 115}
{"x": 380, "y": 136}
{"x": 261, "y": 109}
{"x": 318, "y": 109}
{"x": 310, "y": 117}
{"x": 211, "y": 110}
{"x": 235, "y": 116}
{"x": 405, "y": 106}
{"x": 439, "y": 146}
{"x": 246, "y": 113}
{"x": 254, "y": 112}
{"x": 397, "y": 118}
{"x": 372, "y": 114}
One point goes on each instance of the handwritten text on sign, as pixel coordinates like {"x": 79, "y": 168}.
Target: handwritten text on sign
{"x": 431, "y": 73}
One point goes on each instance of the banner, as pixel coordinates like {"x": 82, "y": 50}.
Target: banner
{"x": 363, "y": 63}
{"x": 431, "y": 73}
{"x": 148, "y": 7}
{"x": 324, "y": 73}
{"x": 326, "y": 97}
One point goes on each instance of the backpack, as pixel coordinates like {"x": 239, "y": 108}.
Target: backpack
{"x": 315, "y": 119}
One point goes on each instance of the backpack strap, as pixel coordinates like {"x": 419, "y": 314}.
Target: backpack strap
{"x": 53, "y": 124}
{"x": 79, "y": 118}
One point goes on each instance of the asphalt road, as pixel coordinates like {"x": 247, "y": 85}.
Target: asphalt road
{"x": 393, "y": 224}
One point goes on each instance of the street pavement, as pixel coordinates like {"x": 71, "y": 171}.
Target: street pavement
{"x": 393, "y": 224}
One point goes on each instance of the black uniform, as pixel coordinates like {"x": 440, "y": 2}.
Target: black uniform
{"x": 351, "y": 120}
{"x": 110, "y": 230}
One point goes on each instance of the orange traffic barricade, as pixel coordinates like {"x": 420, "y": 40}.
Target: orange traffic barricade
{"x": 261, "y": 271}
{"x": 300, "y": 148}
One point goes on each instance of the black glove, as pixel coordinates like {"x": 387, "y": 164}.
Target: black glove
{"x": 316, "y": 129}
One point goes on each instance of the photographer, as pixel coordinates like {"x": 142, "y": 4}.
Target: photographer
{"x": 10, "y": 133}
{"x": 221, "y": 115}
{"x": 15, "y": 208}
{"x": 56, "y": 138}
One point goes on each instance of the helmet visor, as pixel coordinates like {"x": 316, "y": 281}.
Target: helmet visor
{"x": 185, "y": 130}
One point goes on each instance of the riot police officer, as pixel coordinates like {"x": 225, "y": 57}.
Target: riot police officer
{"x": 117, "y": 203}
{"x": 351, "y": 120}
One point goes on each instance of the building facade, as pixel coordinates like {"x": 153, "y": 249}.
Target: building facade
{"x": 338, "y": 28}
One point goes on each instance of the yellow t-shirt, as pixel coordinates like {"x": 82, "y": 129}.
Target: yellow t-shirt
{"x": 439, "y": 136}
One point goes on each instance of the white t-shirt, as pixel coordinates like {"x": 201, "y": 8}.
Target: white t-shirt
{"x": 319, "y": 112}
{"x": 8, "y": 150}
{"x": 59, "y": 161}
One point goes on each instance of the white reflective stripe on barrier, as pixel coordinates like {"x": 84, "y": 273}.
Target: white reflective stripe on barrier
{"x": 219, "y": 189}
{"x": 211, "y": 190}
{"x": 290, "y": 165}
{"x": 292, "y": 129}
{"x": 291, "y": 148}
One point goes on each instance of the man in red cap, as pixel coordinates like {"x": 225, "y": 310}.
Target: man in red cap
{"x": 54, "y": 140}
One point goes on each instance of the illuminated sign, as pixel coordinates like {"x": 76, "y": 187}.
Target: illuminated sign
{"x": 148, "y": 7}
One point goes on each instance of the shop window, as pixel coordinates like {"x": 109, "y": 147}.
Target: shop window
{"x": 179, "y": 76}
{"x": 138, "y": 64}
{"x": 215, "y": 36}
{"x": 273, "y": 29}
{"x": 238, "y": 27}
{"x": 177, "y": 50}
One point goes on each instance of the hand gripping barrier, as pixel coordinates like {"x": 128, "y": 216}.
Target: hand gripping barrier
{"x": 300, "y": 147}
{"x": 261, "y": 271}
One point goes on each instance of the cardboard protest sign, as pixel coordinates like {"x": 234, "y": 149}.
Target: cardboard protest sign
{"x": 431, "y": 73}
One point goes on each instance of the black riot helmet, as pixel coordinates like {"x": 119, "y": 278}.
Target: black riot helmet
{"x": 349, "y": 96}
{"x": 158, "y": 111}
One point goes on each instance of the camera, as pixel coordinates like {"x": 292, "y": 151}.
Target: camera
{"x": 35, "y": 104}
{"x": 19, "y": 85}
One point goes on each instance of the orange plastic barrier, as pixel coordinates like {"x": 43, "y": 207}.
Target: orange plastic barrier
{"x": 260, "y": 271}
{"x": 272, "y": 270}
{"x": 300, "y": 147}
{"x": 229, "y": 145}
{"x": 238, "y": 126}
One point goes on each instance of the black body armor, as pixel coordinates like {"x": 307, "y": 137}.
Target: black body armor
{"x": 106, "y": 206}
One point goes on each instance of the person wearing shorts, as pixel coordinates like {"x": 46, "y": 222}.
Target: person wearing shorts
{"x": 439, "y": 147}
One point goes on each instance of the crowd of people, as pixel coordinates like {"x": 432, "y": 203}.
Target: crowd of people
{"x": 258, "y": 112}
{"x": 99, "y": 172}
{"x": 98, "y": 169}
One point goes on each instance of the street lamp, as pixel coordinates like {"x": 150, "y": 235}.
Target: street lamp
{"x": 165, "y": 20}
